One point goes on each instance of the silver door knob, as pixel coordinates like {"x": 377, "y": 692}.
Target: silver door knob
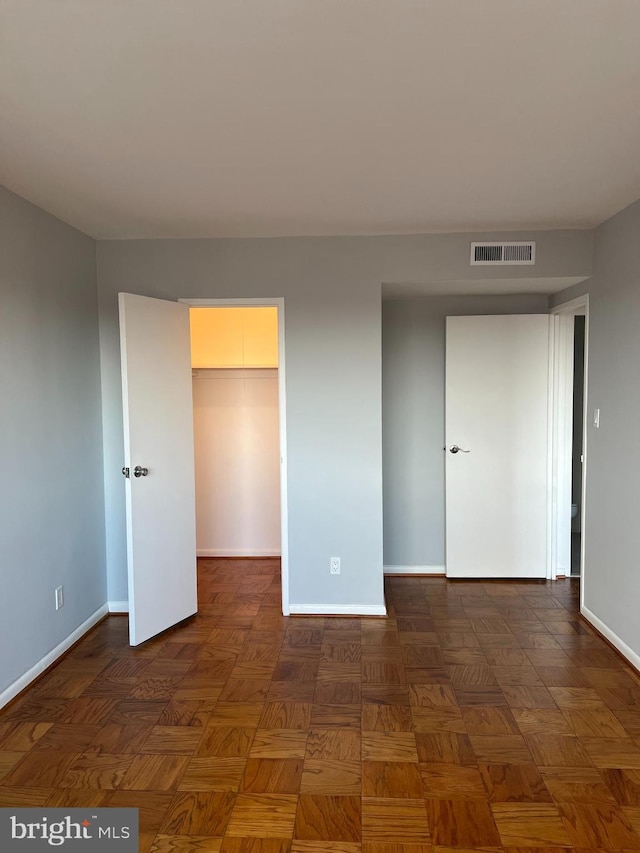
{"x": 453, "y": 449}
{"x": 138, "y": 471}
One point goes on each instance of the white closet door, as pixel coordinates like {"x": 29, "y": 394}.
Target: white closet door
{"x": 158, "y": 439}
{"x": 497, "y": 374}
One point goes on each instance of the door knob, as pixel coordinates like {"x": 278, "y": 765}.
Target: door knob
{"x": 453, "y": 449}
{"x": 140, "y": 472}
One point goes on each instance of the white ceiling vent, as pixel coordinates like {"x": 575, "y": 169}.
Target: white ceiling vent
{"x": 503, "y": 254}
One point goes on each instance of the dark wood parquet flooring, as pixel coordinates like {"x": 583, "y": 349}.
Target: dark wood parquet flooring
{"x": 478, "y": 715}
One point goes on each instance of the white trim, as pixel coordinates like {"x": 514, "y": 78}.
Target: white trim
{"x": 583, "y": 491}
{"x": 415, "y": 570}
{"x": 560, "y": 445}
{"x": 551, "y": 449}
{"x": 566, "y": 312}
{"x": 565, "y": 458}
{"x": 579, "y": 305}
{"x": 338, "y": 609}
{"x": 236, "y": 552}
{"x": 278, "y": 302}
{"x": 239, "y": 372}
{"x": 238, "y": 300}
{"x": 51, "y": 657}
{"x": 614, "y": 639}
{"x": 118, "y": 606}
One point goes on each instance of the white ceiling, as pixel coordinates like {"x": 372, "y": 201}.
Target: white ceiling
{"x": 193, "y": 118}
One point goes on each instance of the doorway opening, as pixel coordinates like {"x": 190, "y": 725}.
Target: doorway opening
{"x": 238, "y": 377}
{"x": 569, "y": 365}
{"x": 577, "y": 442}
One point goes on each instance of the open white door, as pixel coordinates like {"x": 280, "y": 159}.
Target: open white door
{"x": 497, "y": 379}
{"x": 158, "y": 439}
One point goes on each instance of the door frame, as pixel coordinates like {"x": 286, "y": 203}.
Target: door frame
{"x": 560, "y": 425}
{"x": 275, "y": 302}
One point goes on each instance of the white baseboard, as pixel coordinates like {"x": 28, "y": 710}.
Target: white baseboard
{"x": 236, "y": 552}
{"x": 118, "y": 606}
{"x": 614, "y": 639}
{"x": 337, "y": 610}
{"x": 25, "y": 680}
{"x": 415, "y": 570}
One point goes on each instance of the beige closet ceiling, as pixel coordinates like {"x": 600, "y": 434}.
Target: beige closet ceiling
{"x": 234, "y": 337}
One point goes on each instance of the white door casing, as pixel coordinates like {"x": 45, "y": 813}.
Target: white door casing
{"x": 562, "y": 339}
{"x": 278, "y": 302}
{"x": 158, "y": 435}
{"x": 497, "y": 381}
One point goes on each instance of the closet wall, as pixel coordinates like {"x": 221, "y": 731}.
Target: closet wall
{"x": 236, "y": 430}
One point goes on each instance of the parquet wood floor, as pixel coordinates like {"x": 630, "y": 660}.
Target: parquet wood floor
{"x": 478, "y": 715}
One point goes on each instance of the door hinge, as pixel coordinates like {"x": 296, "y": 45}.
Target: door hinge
{"x": 126, "y": 473}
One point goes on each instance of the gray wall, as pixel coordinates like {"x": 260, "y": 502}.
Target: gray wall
{"x": 332, "y": 291}
{"x": 612, "y": 534}
{"x": 413, "y": 362}
{"x": 332, "y": 341}
{"x": 51, "y": 501}
{"x": 52, "y": 507}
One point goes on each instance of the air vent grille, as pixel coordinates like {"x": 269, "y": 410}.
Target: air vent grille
{"x": 503, "y": 253}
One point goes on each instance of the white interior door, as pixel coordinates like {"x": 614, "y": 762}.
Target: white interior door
{"x": 158, "y": 438}
{"x": 497, "y": 375}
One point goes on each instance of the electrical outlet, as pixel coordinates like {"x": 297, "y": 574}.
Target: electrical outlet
{"x": 59, "y": 597}
{"x": 334, "y": 565}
